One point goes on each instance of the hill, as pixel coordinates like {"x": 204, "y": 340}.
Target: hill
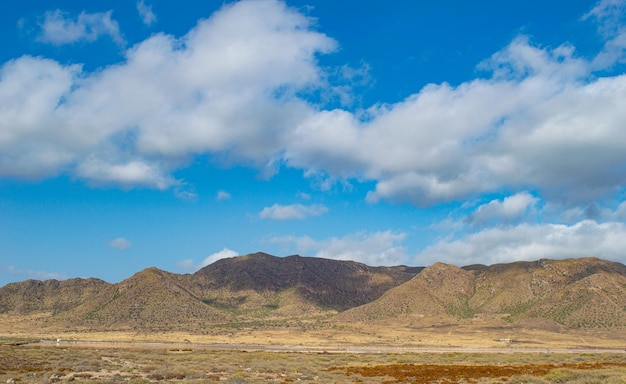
{"x": 294, "y": 284}
{"x": 576, "y": 293}
{"x": 245, "y": 288}
{"x": 150, "y": 300}
{"x": 48, "y": 296}
{"x": 579, "y": 293}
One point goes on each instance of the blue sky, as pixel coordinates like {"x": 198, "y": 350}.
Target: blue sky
{"x": 172, "y": 134}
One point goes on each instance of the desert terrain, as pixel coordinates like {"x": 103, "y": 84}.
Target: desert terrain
{"x": 259, "y": 318}
{"x": 316, "y": 351}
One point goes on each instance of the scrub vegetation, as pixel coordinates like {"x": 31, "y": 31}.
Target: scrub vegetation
{"x": 46, "y": 364}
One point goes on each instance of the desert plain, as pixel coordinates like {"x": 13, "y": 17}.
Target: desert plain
{"x": 315, "y": 350}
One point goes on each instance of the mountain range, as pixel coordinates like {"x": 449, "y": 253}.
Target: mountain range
{"x": 575, "y": 293}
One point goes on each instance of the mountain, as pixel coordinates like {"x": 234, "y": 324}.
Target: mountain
{"x": 576, "y": 293}
{"x": 149, "y": 300}
{"x": 49, "y": 296}
{"x": 294, "y": 283}
{"x": 582, "y": 293}
{"x": 237, "y": 289}
{"x": 438, "y": 290}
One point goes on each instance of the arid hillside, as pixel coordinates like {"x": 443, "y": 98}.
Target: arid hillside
{"x": 578, "y": 293}
{"x": 246, "y": 288}
{"x": 584, "y": 293}
{"x": 49, "y": 296}
{"x": 151, "y": 300}
{"x": 281, "y": 282}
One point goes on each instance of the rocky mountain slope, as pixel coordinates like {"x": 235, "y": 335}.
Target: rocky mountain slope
{"x": 308, "y": 281}
{"x": 150, "y": 300}
{"x": 244, "y": 288}
{"x": 50, "y": 296}
{"x": 586, "y": 293}
{"x": 579, "y": 293}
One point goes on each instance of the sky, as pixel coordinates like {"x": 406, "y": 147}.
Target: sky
{"x": 172, "y": 134}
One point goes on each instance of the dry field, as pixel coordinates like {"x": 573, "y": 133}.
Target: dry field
{"x": 479, "y": 332}
{"x": 315, "y": 351}
{"x": 51, "y": 363}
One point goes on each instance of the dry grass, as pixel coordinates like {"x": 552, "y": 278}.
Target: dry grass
{"x": 38, "y": 364}
{"x": 392, "y": 353}
{"x": 404, "y": 332}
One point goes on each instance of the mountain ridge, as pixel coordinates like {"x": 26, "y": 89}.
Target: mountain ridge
{"x": 584, "y": 293}
{"x": 575, "y": 293}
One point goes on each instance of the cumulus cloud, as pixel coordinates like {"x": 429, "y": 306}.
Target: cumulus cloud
{"x": 145, "y": 11}
{"x": 228, "y": 86}
{"x": 531, "y": 242}
{"x": 538, "y": 119}
{"x": 119, "y": 243}
{"x": 189, "y": 265}
{"x": 58, "y": 28}
{"x": 507, "y": 210}
{"x": 371, "y": 248}
{"x": 292, "y": 212}
{"x": 126, "y": 174}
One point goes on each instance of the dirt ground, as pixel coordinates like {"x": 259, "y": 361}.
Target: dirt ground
{"x": 163, "y": 362}
{"x": 478, "y": 333}
{"x": 313, "y": 351}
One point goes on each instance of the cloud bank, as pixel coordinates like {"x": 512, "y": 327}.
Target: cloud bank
{"x": 242, "y": 85}
{"x": 538, "y": 117}
{"x": 227, "y": 87}
{"x": 531, "y": 242}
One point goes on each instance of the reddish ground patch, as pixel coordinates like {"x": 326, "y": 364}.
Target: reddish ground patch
{"x": 452, "y": 373}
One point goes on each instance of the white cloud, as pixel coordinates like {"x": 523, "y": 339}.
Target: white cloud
{"x": 189, "y": 265}
{"x": 126, "y": 174}
{"x": 531, "y": 242}
{"x": 292, "y": 212}
{"x": 539, "y": 119}
{"x": 223, "y": 254}
{"x": 228, "y": 86}
{"x": 610, "y": 15}
{"x": 375, "y": 248}
{"x": 508, "y": 210}
{"x": 145, "y": 11}
{"x": 609, "y": 11}
{"x": 57, "y": 28}
{"x": 34, "y": 140}
{"x": 120, "y": 243}
{"x": 223, "y": 195}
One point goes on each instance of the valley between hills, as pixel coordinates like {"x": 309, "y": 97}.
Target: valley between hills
{"x": 318, "y": 304}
